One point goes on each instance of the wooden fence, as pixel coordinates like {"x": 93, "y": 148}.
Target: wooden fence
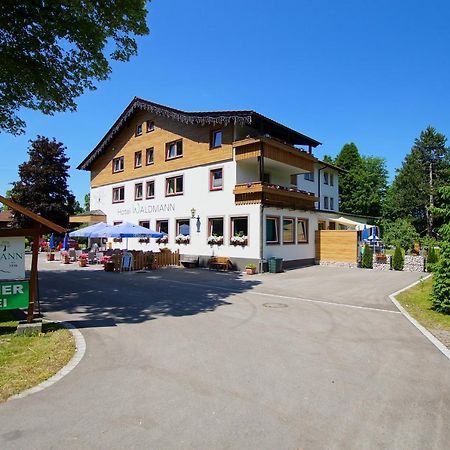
{"x": 337, "y": 246}
{"x": 143, "y": 260}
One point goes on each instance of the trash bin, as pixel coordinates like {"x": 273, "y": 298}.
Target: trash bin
{"x": 275, "y": 265}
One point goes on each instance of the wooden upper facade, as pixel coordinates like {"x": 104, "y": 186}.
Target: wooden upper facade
{"x": 150, "y": 139}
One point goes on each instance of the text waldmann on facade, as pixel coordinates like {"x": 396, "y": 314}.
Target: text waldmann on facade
{"x": 227, "y": 183}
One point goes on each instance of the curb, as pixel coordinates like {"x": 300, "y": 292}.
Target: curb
{"x": 433, "y": 339}
{"x": 80, "y": 349}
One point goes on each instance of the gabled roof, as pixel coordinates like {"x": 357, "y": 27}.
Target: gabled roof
{"x": 224, "y": 118}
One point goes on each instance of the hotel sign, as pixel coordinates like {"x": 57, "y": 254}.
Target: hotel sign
{"x": 138, "y": 208}
{"x": 14, "y": 294}
{"x": 12, "y": 258}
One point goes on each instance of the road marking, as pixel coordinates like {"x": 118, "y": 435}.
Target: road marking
{"x": 431, "y": 337}
{"x": 302, "y": 299}
{"x": 80, "y": 350}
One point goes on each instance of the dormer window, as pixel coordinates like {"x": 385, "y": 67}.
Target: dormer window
{"x": 216, "y": 139}
{"x": 117, "y": 164}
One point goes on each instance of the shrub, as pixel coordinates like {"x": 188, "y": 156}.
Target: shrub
{"x": 367, "y": 258}
{"x": 441, "y": 281}
{"x": 399, "y": 232}
{"x": 398, "y": 260}
{"x": 432, "y": 259}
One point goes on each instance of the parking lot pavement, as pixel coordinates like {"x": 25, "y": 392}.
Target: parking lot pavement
{"x": 312, "y": 358}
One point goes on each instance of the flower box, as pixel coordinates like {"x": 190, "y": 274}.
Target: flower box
{"x": 163, "y": 240}
{"x": 215, "y": 240}
{"x": 182, "y": 239}
{"x": 238, "y": 240}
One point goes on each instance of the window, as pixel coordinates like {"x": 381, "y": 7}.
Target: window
{"x": 302, "y": 230}
{"x": 331, "y": 203}
{"x": 326, "y": 204}
{"x": 331, "y": 179}
{"x": 325, "y": 178}
{"x": 118, "y": 194}
{"x": 174, "y": 149}
{"x": 272, "y": 224}
{"x": 150, "y": 189}
{"x": 144, "y": 223}
{"x": 266, "y": 178}
{"x": 309, "y": 176}
{"x": 216, "y": 139}
{"x": 150, "y": 126}
{"x": 288, "y": 231}
{"x": 137, "y": 159}
{"x": 138, "y": 131}
{"x": 117, "y": 164}
{"x": 183, "y": 227}
{"x": 322, "y": 225}
{"x": 174, "y": 186}
{"x": 149, "y": 154}
{"x": 239, "y": 226}
{"x": 138, "y": 191}
{"x": 162, "y": 226}
{"x": 215, "y": 226}
{"x": 117, "y": 223}
{"x": 216, "y": 179}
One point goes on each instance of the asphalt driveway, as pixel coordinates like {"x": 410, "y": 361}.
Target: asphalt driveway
{"x": 315, "y": 358}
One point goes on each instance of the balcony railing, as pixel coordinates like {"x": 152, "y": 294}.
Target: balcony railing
{"x": 273, "y": 195}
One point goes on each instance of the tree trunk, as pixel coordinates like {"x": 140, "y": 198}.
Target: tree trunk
{"x": 431, "y": 205}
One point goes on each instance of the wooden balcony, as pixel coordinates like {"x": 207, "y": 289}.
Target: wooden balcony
{"x": 273, "y": 195}
{"x": 272, "y": 149}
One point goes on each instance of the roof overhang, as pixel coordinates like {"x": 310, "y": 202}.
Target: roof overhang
{"x": 88, "y": 217}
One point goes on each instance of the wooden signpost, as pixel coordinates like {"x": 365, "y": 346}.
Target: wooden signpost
{"x": 14, "y": 288}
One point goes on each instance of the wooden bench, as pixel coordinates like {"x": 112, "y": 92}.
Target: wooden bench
{"x": 189, "y": 261}
{"x": 220, "y": 263}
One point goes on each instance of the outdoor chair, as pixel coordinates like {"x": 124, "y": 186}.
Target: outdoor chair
{"x": 127, "y": 262}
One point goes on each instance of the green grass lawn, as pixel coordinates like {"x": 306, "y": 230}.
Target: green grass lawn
{"x": 26, "y": 361}
{"x": 418, "y": 303}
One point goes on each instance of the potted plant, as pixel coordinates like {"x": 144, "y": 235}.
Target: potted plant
{"x": 215, "y": 240}
{"x": 65, "y": 257}
{"x": 250, "y": 269}
{"x": 82, "y": 261}
{"x": 50, "y": 256}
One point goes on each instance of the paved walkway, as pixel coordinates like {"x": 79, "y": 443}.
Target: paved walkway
{"x": 191, "y": 359}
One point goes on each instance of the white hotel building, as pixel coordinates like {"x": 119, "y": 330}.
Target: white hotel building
{"x": 227, "y": 183}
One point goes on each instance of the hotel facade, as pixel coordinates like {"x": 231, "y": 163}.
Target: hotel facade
{"x": 223, "y": 183}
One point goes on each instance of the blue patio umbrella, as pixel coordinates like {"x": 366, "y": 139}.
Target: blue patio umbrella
{"x": 90, "y": 230}
{"x": 127, "y": 230}
{"x": 66, "y": 242}
{"x": 373, "y": 236}
{"x": 365, "y": 233}
{"x": 51, "y": 242}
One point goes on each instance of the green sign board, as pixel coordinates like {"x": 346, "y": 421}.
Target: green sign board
{"x": 14, "y": 294}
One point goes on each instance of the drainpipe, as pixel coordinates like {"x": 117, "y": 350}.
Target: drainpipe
{"x": 318, "y": 185}
{"x": 261, "y": 212}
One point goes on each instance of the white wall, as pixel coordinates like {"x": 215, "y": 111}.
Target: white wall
{"x": 196, "y": 195}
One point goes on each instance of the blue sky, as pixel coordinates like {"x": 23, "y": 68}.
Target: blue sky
{"x": 372, "y": 72}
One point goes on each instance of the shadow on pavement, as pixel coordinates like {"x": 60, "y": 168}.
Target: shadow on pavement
{"x": 101, "y": 299}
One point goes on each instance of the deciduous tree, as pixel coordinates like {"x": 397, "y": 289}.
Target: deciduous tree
{"x": 52, "y": 51}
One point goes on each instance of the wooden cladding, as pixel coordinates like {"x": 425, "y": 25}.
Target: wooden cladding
{"x": 337, "y": 246}
{"x": 251, "y": 193}
{"x": 277, "y": 151}
{"x": 195, "y": 141}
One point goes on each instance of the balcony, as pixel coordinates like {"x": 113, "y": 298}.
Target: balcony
{"x": 272, "y": 149}
{"x": 273, "y": 195}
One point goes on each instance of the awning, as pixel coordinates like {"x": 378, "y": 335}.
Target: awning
{"x": 349, "y": 223}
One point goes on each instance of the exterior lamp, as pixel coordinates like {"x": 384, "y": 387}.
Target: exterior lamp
{"x": 193, "y": 213}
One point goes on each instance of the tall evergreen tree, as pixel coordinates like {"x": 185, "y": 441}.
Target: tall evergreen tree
{"x": 43, "y": 183}
{"x": 424, "y": 170}
{"x": 363, "y": 186}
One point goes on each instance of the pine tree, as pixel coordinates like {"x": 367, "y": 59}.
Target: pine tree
{"x": 441, "y": 278}
{"x": 413, "y": 192}
{"x": 398, "y": 260}
{"x": 42, "y": 187}
{"x": 367, "y": 258}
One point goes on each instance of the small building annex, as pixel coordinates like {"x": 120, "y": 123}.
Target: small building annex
{"x": 222, "y": 183}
